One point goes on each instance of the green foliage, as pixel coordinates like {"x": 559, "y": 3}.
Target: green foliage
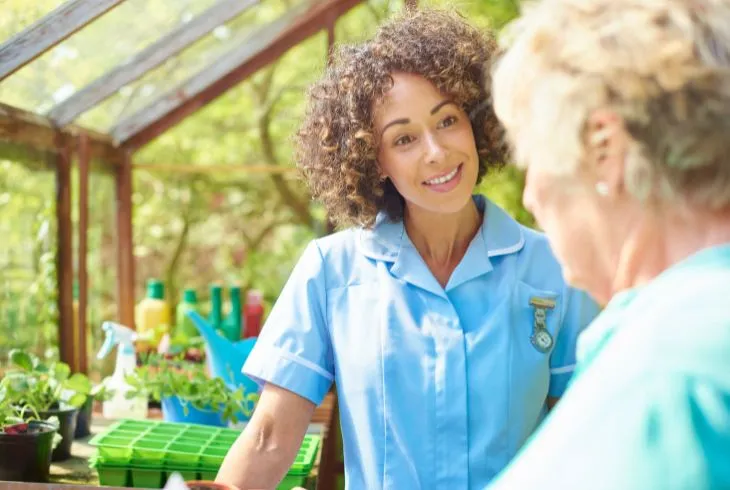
{"x": 31, "y": 387}
{"x": 189, "y": 229}
{"x": 162, "y": 378}
{"x": 28, "y": 311}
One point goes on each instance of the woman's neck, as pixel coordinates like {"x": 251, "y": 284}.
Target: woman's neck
{"x": 442, "y": 239}
{"x": 663, "y": 239}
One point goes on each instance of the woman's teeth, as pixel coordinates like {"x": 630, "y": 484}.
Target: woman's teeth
{"x": 445, "y": 178}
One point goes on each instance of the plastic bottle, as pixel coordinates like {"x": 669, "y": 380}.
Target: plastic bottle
{"x": 119, "y": 406}
{"x": 215, "y": 318}
{"x": 253, "y": 312}
{"x": 184, "y": 327}
{"x": 232, "y": 323}
{"x": 152, "y": 315}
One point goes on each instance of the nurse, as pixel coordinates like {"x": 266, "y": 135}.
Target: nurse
{"x": 446, "y": 326}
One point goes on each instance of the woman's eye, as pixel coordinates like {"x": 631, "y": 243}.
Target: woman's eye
{"x": 403, "y": 140}
{"x": 447, "y": 121}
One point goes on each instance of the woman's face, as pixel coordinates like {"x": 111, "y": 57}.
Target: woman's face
{"x": 566, "y": 212}
{"x": 426, "y": 146}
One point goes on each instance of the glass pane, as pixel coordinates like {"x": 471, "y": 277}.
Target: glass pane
{"x": 101, "y": 267}
{"x": 189, "y": 62}
{"x": 100, "y": 46}
{"x": 19, "y": 14}
{"x": 28, "y": 310}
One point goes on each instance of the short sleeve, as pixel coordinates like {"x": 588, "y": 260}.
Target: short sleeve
{"x": 294, "y": 350}
{"x": 580, "y": 310}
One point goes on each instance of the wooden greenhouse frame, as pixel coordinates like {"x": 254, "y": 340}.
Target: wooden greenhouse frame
{"x": 59, "y": 141}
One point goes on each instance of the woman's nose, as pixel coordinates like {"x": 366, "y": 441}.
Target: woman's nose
{"x": 435, "y": 151}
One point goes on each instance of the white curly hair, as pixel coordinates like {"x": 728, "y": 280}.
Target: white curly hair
{"x": 661, "y": 65}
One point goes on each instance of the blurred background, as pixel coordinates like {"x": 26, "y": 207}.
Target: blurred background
{"x": 195, "y": 223}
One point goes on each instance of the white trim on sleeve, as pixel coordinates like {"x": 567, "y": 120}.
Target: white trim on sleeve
{"x": 563, "y": 370}
{"x": 302, "y": 362}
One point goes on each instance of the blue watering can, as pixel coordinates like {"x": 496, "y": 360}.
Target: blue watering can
{"x": 225, "y": 358}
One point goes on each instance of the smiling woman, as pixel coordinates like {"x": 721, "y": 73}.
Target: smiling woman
{"x": 339, "y": 141}
{"x": 445, "y": 325}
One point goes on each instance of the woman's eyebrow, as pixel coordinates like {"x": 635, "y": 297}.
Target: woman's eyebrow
{"x": 441, "y": 104}
{"x": 396, "y": 121}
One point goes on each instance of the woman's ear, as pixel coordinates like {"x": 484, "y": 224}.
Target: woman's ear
{"x": 382, "y": 176}
{"x": 607, "y": 148}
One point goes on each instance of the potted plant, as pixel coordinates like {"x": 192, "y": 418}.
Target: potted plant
{"x": 188, "y": 395}
{"x": 93, "y": 392}
{"x": 26, "y": 442}
{"x": 47, "y": 391}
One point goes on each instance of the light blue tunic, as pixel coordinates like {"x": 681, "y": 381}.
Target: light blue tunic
{"x": 649, "y": 408}
{"x": 437, "y": 387}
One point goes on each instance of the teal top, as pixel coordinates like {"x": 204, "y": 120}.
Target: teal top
{"x": 649, "y": 405}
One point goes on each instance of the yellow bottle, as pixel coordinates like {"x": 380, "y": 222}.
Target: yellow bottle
{"x": 152, "y": 316}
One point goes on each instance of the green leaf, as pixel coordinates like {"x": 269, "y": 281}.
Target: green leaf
{"x": 79, "y": 383}
{"x": 77, "y": 400}
{"x": 61, "y": 371}
{"x": 21, "y": 359}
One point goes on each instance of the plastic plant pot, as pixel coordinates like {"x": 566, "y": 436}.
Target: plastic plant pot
{"x": 25, "y": 452}
{"x": 147, "y": 477}
{"x": 83, "y": 420}
{"x": 173, "y": 411}
{"x": 67, "y": 427}
{"x": 113, "y": 476}
{"x": 183, "y": 454}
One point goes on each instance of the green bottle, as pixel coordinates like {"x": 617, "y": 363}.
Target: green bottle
{"x": 232, "y": 323}
{"x": 215, "y": 318}
{"x": 184, "y": 327}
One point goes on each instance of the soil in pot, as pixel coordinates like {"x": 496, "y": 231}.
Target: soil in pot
{"x": 83, "y": 421}
{"x": 25, "y": 452}
{"x": 67, "y": 426}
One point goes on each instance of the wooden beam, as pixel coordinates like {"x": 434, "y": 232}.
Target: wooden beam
{"x": 262, "y": 47}
{"x": 84, "y": 159}
{"x": 41, "y": 36}
{"x": 215, "y": 169}
{"x": 38, "y": 132}
{"x": 125, "y": 250}
{"x": 64, "y": 253}
{"x": 151, "y": 57}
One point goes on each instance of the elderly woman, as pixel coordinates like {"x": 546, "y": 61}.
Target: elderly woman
{"x": 619, "y": 110}
{"x": 446, "y": 325}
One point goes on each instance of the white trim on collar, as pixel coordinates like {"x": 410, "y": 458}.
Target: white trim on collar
{"x": 502, "y": 234}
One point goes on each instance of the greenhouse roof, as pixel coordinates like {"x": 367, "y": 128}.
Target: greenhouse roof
{"x": 125, "y": 71}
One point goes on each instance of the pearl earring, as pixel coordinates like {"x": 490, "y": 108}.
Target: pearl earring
{"x": 602, "y": 188}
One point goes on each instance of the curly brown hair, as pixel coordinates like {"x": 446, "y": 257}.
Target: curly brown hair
{"x": 336, "y": 148}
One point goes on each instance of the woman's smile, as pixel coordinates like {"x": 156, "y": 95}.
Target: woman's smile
{"x": 445, "y": 182}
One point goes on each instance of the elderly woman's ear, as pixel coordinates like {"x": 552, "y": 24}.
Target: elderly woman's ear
{"x": 606, "y": 150}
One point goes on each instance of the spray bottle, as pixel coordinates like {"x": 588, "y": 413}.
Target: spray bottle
{"x": 119, "y": 407}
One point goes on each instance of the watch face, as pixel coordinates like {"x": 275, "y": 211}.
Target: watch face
{"x": 542, "y": 340}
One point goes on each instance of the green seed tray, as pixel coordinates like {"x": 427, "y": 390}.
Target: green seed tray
{"x": 142, "y": 453}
